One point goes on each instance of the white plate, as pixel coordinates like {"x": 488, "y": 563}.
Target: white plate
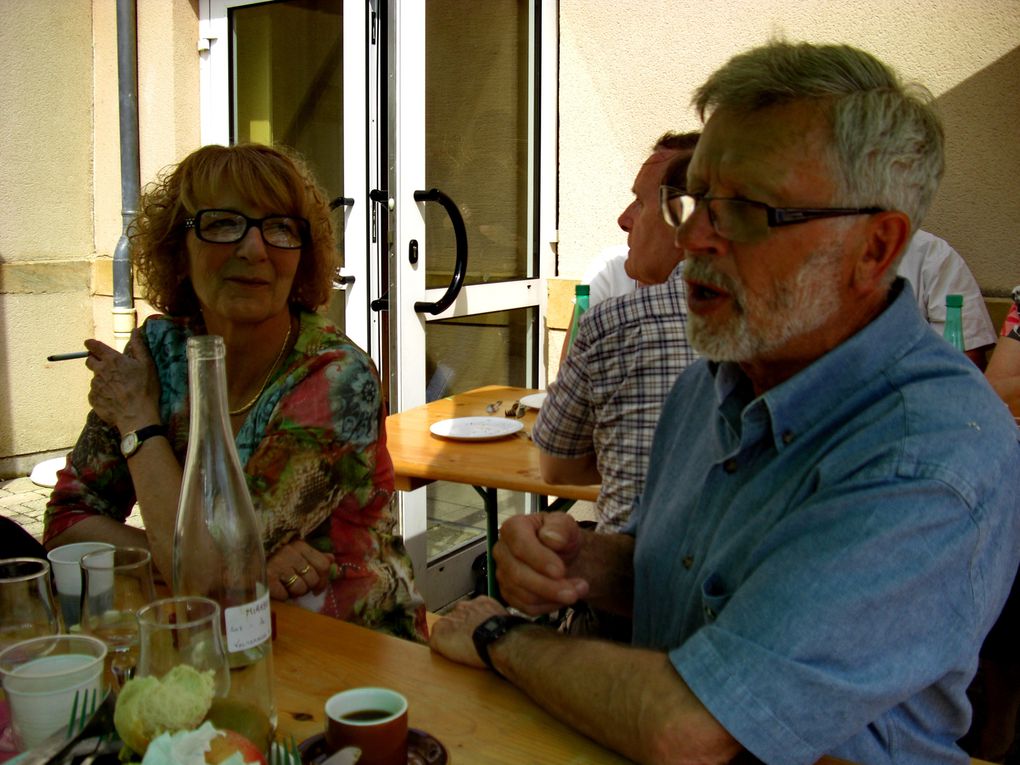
{"x": 534, "y": 400}
{"x": 476, "y": 428}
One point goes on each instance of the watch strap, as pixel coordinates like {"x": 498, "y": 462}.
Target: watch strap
{"x": 491, "y": 630}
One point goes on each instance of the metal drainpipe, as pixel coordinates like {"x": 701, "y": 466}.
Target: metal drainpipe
{"x": 127, "y": 76}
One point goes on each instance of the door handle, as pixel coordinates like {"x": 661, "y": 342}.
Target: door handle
{"x": 380, "y": 196}
{"x": 460, "y": 267}
{"x": 341, "y": 202}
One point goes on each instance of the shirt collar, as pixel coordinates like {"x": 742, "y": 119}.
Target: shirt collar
{"x": 801, "y": 401}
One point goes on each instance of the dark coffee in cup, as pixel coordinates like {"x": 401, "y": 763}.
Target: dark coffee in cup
{"x": 372, "y": 719}
{"x": 366, "y": 715}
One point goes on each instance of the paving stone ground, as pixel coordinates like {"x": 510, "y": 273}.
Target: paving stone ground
{"x": 24, "y": 502}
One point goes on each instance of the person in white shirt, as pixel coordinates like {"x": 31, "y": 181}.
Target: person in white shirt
{"x": 606, "y": 275}
{"x": 934, "y": 270}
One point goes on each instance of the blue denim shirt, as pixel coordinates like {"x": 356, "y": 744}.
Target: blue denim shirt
{"x": 823, "y": 561}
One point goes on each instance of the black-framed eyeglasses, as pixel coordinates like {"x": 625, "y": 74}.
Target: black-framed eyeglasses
{"x": 744, "y": 220}
{"x": 287, "y": 232}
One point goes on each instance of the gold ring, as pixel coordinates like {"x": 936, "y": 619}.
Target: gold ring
{"x": 290, "y": 580}
{"x": 305, "y": 570}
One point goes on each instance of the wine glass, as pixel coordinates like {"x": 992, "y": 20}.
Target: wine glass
{"x": 115, "y": 584}
{"x": 27, "y": 607}
{"x": 182, "y": 630}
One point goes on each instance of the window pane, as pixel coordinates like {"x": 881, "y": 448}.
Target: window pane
{"x": 289, "y": 93}
{"x": 490, "y": 349}
{"x": 476, "y": 125}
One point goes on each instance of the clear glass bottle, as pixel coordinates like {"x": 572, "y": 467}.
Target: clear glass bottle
{"x": 953, "y": 331}
{"x": 581, "y": 293}
{"x": 217, "y": 550}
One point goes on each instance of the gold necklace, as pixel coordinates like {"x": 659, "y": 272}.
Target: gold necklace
{"x": 279, "y": 358}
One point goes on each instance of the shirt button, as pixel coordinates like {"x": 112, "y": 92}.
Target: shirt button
{"x": 688, "y": 561}
{"x": 709, "y": 613}
{"x": 730, "y": 465}
{"x": 788, "y": 437}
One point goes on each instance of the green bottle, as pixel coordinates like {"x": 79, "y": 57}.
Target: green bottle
{"x": 580, "y": 306}
{"x": 953, "y": 331}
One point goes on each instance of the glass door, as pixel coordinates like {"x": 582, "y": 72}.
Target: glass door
{"x": 405, "y": 111}
{"x": 467, "y": 123}
{"x": 297, "y": 74}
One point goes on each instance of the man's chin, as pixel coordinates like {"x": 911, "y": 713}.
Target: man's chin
{"x": 720, "y": 341}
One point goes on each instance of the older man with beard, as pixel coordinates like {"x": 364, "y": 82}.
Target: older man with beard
{"x": 828, "y": 527}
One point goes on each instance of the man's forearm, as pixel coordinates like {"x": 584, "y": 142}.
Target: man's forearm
{"x": 636, "y": 704}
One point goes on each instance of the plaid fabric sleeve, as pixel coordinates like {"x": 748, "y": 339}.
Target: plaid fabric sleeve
{"x": 566, "y": 420}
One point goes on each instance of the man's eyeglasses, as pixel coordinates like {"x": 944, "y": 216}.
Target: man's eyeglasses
{"x": 226, "y": 227}
{"x": 743, "y": 220}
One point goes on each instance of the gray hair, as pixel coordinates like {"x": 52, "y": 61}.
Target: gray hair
{"x": 887, "y": 139}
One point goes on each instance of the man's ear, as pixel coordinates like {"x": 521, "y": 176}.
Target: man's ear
{"x": 886, "y": 236}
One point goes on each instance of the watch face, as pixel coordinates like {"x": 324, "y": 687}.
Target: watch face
{"x": 493, "y": 627}
{"x": 129, "y": 444}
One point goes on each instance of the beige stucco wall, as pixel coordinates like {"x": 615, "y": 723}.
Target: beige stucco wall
{"x": 628, "y": 69}
{"x": 46, "y": 224}
{"x": 60, "y": 193}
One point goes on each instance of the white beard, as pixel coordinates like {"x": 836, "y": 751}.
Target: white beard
{"x": 760, "y": 325}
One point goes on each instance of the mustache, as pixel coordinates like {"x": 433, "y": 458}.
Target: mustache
{"x": 699, "y": 270}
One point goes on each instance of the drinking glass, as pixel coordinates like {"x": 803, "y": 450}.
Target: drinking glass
{"x": 182, "y": 630}
{"x": 26, "y": 601}
{"x": 115, "y": 584}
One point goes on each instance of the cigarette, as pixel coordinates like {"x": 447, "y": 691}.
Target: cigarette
{"x": 68, "y": 356}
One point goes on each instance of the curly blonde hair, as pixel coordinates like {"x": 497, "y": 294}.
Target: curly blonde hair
{"x": 265, "y": 177}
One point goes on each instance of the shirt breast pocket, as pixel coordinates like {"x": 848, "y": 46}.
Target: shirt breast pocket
{"x": 714, "y": 597}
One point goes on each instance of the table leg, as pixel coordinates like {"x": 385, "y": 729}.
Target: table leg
{"x": 488, "y": 496}
{"x": 557, "y": 505}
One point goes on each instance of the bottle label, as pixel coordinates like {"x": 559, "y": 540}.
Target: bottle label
{"x": 248, "y": 625}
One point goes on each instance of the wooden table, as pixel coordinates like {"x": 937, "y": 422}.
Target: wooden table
{"x": 479, "y": 718}
{"x": 419, "y": 458}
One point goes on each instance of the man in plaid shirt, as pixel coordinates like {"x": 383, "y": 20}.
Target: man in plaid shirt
{"x": 597, "y": 422}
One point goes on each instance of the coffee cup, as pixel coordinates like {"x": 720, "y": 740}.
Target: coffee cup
{"x": 372, "y": 719}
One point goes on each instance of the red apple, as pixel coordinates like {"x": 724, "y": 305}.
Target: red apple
{"x": 227, "y": 742}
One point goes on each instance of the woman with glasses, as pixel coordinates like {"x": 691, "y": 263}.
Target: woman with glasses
{"x": 237, "y": 241}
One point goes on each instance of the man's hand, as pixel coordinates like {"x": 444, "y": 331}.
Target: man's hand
{"x": 297, "y": 568}
{"x": 125, "y": 386}
{"x": 533, "y": 557}
{"x": 452, "y": 635}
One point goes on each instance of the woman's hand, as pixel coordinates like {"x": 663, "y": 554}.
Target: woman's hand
{"x": 125, "y": 386}
{"x": 297, "y": 568}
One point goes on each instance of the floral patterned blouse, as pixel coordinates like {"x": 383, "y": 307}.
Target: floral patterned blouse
{"x": 314, "y": 454}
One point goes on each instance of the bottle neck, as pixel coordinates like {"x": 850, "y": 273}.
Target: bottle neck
{"x": 207, "y": 385}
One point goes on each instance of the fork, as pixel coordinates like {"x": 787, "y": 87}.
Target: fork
{"x": 285, "y": 752}
{"x": 86, "y": 721}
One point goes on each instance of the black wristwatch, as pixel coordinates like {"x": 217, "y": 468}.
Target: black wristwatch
{"x": 491, "y": 630}
{"x": 132, "y": 442}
